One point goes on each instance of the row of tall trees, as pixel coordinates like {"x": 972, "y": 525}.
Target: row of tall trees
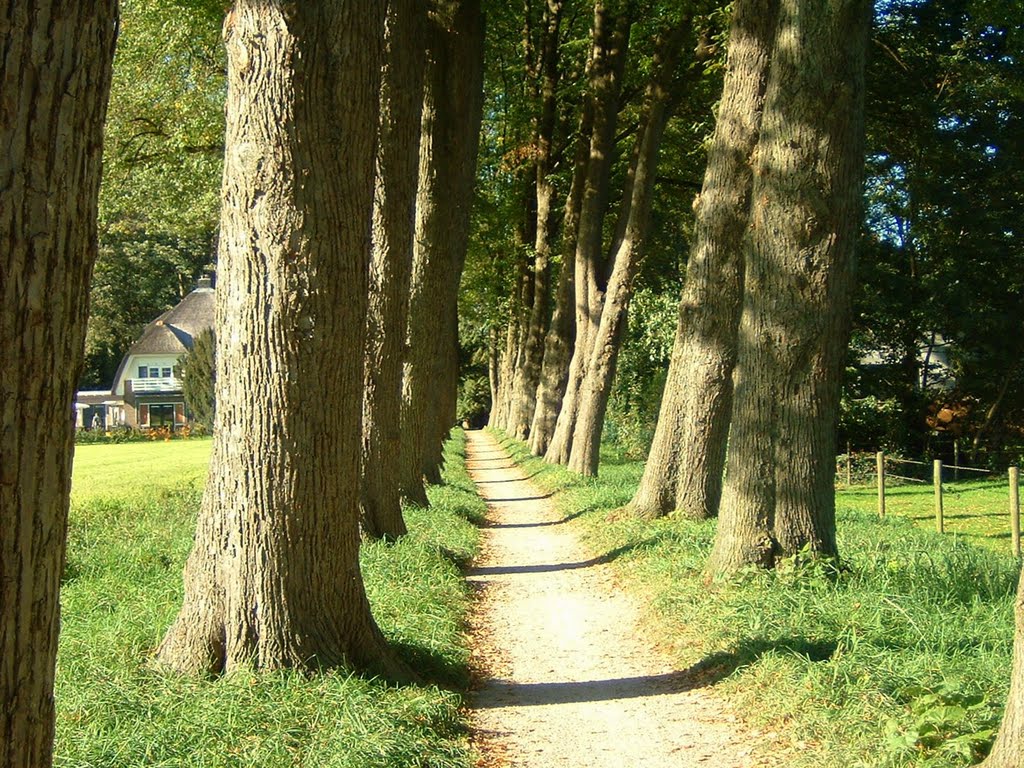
{"x": 760, "y": 347}
{"x": 348, "y": 170}
{"x": 344, "y": 229}
{"x": 554, "y": 353}
{"x": 346, "y": 196}
{"x": 948, "y": 72}
{"x": 760, "y": 343}
{"x": 767, "y": 293}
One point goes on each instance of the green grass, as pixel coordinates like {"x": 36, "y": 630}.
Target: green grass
{"x": 120, "y": 470}
{"x": 131, "y": 528}
{"x": 902, "y": 658}
{"x": 977, "y": 511}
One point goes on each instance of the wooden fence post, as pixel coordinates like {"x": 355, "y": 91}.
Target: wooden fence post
{"x": 937, "y": 479}
{"x": 880, "y": 471}
{"x": 1015, "y": 510}
{"x": 849, "y": 467}
{"x": 956, "y": 458}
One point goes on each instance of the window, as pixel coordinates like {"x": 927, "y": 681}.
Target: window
{"x": 154, "y": 373}
{"x": 143, "y": 372}
{"x": 161, "y": 415}
{"x": 165, "y": 373}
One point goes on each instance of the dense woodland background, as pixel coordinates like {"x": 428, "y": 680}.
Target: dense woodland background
{"x": 940, "y": 257}
{"x": 615, "y": 146}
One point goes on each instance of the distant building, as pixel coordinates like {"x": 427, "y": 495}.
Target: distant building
{"x": 147, "y": 389}
{"x": 935, "y": 370}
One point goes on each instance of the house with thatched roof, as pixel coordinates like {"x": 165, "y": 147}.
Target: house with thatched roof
{"x": 147, "y": 388}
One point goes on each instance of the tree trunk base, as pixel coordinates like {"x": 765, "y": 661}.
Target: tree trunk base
{"x": 644, "y": 510}
{"x": 196, "y": 646}
{"x": 416, "y": 494}
{"x": 383, "y": 523}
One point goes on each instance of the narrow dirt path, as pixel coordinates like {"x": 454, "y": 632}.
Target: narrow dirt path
{"x": 567, "y": 680}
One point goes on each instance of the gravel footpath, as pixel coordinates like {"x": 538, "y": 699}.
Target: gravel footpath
{"x": 564, "y": 678}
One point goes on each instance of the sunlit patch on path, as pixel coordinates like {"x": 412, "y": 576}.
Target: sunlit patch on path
{"x": 565, "y": 679}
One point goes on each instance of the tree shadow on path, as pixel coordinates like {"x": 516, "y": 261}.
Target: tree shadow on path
{"x": 705, "y": 673}
{"x": 503, "y": 570}
{"x": 541, "y": 524}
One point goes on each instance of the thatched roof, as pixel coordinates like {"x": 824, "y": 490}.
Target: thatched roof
{"x": 173, "y": 332}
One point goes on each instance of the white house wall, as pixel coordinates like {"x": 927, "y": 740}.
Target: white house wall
{"x": 131, "y": 370}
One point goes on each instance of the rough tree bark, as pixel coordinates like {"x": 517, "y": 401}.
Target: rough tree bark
{"x": 54, "y": 84}
{"x": 779, "y": 494}
{"x": 608, "y": 60}
{"x": 1008, "y": 750}
{"x": 505, "y": 355}
{"x": 493, "y": 361}
{"x": 561, "y": 335}
{"x": 452, "y": 112}
{"x": 634, "y": 218}
{"x": 527, "y": 377}
{"x": 273, "y": 579}
{"x": 687, "y": 458}
{"x": 394, "y": 220}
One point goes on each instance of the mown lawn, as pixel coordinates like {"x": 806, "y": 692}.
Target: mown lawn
{"x": 134, "y": 469}
{"x": 131, "y": 527}
{"x": 901, "y": 657}
{"x": 977, "y": 511}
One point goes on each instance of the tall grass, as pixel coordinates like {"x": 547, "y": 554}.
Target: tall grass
{"x": 122, "y": 588}
{"x": 899, "y": 657}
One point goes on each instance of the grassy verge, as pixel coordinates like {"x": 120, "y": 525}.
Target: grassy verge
{"x": 902, "y": 659}
{"x": 122, "y": 588}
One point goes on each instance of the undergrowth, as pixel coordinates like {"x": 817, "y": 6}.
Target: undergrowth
{"x": 122, "y": 588}
{"x": 898, "y": 657}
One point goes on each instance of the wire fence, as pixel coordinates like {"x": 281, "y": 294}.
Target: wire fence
{"x": 974, "y": 491}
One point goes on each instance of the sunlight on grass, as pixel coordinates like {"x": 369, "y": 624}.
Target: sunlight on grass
{"x": 977, "y": 511}
{"x": 131, "y": 529}
{"x": 131, "y": 468}
{"x": 900, "y": 657}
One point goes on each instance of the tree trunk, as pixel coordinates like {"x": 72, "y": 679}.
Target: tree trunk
{"x": 779, "y": 496}
{"x": 1008, "y": 750}
{"x": 561, "y": 336}
{"x": 449, "y": 389}
{"x": 273, "y": 579}
{"x": 634, "y": 219}
{"x": 506, "y": 362}
{"x": 687, "y": 458}
{"x": 558, "y": 344}
{"x": 394, "y": 219}
{"x": 452, "y": 112}
{"x": 528, "y": 372}
{"x": 513, "y": 353}
{"x": 55, "y": 80}
{"x": 493, "y": 362}
{"x": 608, "y": 60}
